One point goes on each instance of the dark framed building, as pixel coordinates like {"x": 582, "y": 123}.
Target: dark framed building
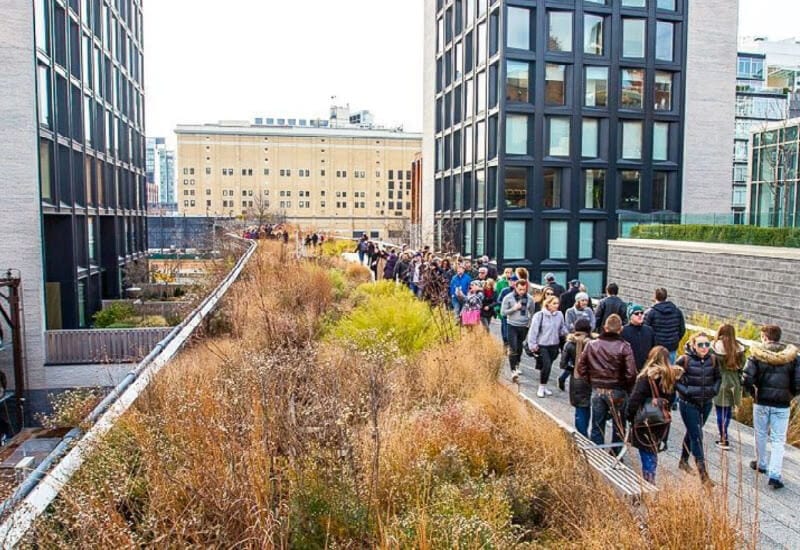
{"x": 552, "y": 121}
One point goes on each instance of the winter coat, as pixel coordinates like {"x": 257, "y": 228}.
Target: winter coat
{"x": 608, "y": 306}
{"x": 388, "y": 268}
{"x": 574, "y": 314}
{"x": 547, "y": 329}
{"x": 646, "y": 438}
{"x": 487, "y": 310}
{"x": 772, "y": 374}
{"x": 472, "y": 302}
{"x": 518, "y": 318}
{"x": 567, "y": 300}
{"x": 642, "y": 339}
{"x": 608, "y": 363}
{"x": 401, "y": 269}
{"x": 701, "y": 378}
{"x": 730, "y": 390}
{"x": 667, "y": 322}
{"x": 558, "y": 290}
{"x": 580, "y": 392}
{"x": 459, "y": 281}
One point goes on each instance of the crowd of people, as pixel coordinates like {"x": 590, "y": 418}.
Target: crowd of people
{"x": 621, "y": 361}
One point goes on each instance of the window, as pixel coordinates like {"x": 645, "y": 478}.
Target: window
{"x": 519, "y": 28}
{"x": 594, "y": 184}
{"x": 514, "y": 240}
{"x": 517, "y": 80}
{"x": 635, "y": 3}
{"x": 559, "y": 37}
{"x": 665, "y": 36}
{"x": 596, "y": 87}
{"x": 586, "y": 241}
{"x": 517, "y": 134}
{"x": 660, "y": 141}
{"x": 593, "y": 34}
{"x": 555, "y": 84}
{"x": 663, "y": 91}
{"x": 44, "y": 95}
{"x": 480, "y": 141}
{"x": 469, "y": 99}
{"x": 481, "y": 92}
{"x": 481, "y": 46}
{"x": 458, "y": 61}
{"x": 631, "y": 140}
{"x": 666, "y": 5}
{"x": 590, "y": 136}
{"x": 633, "y": 37}
{"x": 480, "y": 189}
{"x": 552, "y": 188}
{"x": 630, "y": 189}
{"x": 515, "y": 187}
{"x": 559, "y": 137}
{"x": 468, "y": 149}
{"x": 593, "y": 281}
{"x": 558, "y": 240}
{"x": 632, "y": 88}
{"x": 660, "y": 180}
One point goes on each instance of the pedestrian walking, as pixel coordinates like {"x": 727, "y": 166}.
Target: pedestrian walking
{"x": 730, "y": 359}
{"x": 667, "y": 322}
{"x": 580, "y": 392}
{"x": 640, "y": 336}
{"x": 518, "y": 310}
{"x": 544, "y": 337}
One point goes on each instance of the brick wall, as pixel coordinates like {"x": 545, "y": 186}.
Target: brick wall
{"x": 725, "y": 281}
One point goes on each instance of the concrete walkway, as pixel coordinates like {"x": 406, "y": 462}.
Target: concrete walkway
{"x": 777, "y": 513}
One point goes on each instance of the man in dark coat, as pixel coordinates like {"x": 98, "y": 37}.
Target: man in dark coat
{"x": 667, "y": 322}
{"x": 641, "y": 337}
{"x": 611, "y": 304}
{"x": 550, "y": 280}
{"x": 567, "y": 300}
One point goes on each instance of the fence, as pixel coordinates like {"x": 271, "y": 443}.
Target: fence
{"x": 84, "y": 347}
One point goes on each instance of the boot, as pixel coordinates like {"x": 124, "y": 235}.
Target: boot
{"x": 704, "y": 478}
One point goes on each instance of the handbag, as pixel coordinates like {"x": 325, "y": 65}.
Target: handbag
{"x": 653, "y": 412}
{"x": 471, "y": 317}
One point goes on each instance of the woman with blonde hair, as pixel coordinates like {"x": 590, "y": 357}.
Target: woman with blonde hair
{"x": 730, "y": 358}
{"x": 544, "y": 337}
{"x": 655, "y": 384}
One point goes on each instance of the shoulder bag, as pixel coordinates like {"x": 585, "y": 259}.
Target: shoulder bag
{"x": 653, "y": 412}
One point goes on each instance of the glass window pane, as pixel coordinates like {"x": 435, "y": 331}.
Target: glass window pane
{"x": 467, "y": 248}
{"x": 458, "y": 62}
{"x": 632, "y": 140}
{"x": 480, "y": 141}
{"x": 666, "y": 5}
{"x": 517, "y": 81}
{"x": 630, "y": 189}
{"x": 635, "y": 3}
{"x": 664, "y": 37}
{"x": 594, "y": 184}
{"x": 480, "y": 242}
{"x": 481, "y": 92}
{"x": 555, "y": 84}
{"x": 660, "y": 180}
{"x": 515, "y": 187}
{"x": 558, "y": 240}
{"x": 633, "y": 37}
{"x": 596, "y": 86}
{"x": 660, "y": 141}
{"x": 517, "y": 134}
{"x": 593, "y": 34}
{"x": 44, "y": 95}
{"x": 480, "y": 189}
{"x": 632, "y": 88}
{"x": 586, "y": 241}
{"x": 559, "y": 137}
{"x": 468, "y": 145}
{"x": 560, "y": 31}
{"x": 552, "y": 188}
{"x": 590, "y": 137}
{"x": 593, "y": 281}
{"x": 513, "y": 240}
{"x": 519, "y": 23}
{"x": 480, "y": 56}
{"x": 663, "y": 91}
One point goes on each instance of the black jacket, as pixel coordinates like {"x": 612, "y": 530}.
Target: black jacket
{"x": 648, "y": 439}
{"x": 567, "y": 300}
{"x": 667, "y": 322}
{"x": 608, "y": 306}
{"x": 701, "y": 377}
{"x": 642, "y": 339}
{"x": 558, "y": 290}
{"x": 772, "y": 374}
{"x": 580, "y": 392}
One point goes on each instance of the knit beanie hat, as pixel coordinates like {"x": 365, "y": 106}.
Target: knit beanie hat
{"x": 633, "y": 308}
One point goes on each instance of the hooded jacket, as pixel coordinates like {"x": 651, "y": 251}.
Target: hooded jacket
{"x": 701, "y": 378}
{"x": 667, "y": 322}
{"x": 730, "y": 390}
{"x": 772, "y": 374}
{"x": 608, "y": 363}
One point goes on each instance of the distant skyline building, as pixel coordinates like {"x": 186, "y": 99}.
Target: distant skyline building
{"x": 161, "y": 173}
{"x": 549, "y": 127}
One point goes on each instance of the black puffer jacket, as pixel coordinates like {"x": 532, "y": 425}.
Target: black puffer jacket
{"x": 668, "y": 323}
{"x": 772, "y": 374}
{"x": 580, "y": 392}
{"x": 701, "y": 377}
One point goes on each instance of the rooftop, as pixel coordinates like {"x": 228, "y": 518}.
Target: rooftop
{"x": 239, "y": 128}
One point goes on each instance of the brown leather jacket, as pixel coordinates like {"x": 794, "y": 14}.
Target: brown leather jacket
{"x": 608, "y": 363}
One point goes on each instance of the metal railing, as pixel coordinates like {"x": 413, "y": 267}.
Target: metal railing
{"x": 85, "y": 347}
{"x": 41, "y": 488}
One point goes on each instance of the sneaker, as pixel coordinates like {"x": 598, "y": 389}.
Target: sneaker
{"x": 724, "y": 445}
{"x": 686, "y": 467}
{"x": 547, "y": 391}
{"x": 775, "y": 483}
{"x": 561, "y": 385}
{"x": 754, "y": 466}
{"x": 541, "y": 392}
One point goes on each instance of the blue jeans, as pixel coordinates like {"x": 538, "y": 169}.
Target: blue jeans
{"x": 770, "y": 423}
{"x": 649, "y": 464}
{"x": 582, "y": 416}
{"x": 694, "y": 417}
{"x": 608, "y": 404}
{"x": 672, "y": 356}
{"x": 504, "y": 329}
{"x": 724, "y": 415}
{"x": 456, "y": 307}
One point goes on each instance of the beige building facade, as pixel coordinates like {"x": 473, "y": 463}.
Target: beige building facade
{"x": 341, "y": 181}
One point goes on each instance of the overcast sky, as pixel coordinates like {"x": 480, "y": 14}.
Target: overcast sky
{"x": 207, "y": 60}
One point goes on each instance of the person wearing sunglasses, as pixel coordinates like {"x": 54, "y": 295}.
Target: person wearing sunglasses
{"x": 696, "y": 389}
{"x": 640, "y": 336}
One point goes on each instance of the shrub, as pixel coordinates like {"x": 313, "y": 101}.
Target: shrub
{"x": 336, "y": 248}
{"x": 358, "y": 273}
{"x": 730, "y": 234}
{"x": 114, "y": 313}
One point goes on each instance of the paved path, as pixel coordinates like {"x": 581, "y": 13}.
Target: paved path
{"x": 777, "y": 512}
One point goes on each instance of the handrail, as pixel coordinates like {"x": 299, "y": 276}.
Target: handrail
{"x": 40, "y": 488}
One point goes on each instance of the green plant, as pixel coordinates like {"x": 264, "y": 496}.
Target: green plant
{"x": 113, "y": 314}
{"x": 729, "y": 234}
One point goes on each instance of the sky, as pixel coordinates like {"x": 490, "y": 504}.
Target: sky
{"x": 207, "y": 60}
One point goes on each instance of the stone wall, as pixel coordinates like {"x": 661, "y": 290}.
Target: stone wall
{"x": 725, "y": 281}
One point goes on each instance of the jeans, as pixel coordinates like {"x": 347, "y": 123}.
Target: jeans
{"x": 516, "y": 337}
{"x": 456, "y": 303}
{"x": 608, "y": 404}
{"x": 504, "y": 329}
{"x": 361, "y": 256}
{"x": 582, "y": 416}
{"x": 486, "y": 321}
{"x": 547, "y": 356}
{"x": 694, "y": 417}
{"x": 772, "y": 423}
{"x": 672, "y": 356}
{"x": 564, "y": 375}
{"x": 649, "y": 464}
{"x": 724, "y": 415}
